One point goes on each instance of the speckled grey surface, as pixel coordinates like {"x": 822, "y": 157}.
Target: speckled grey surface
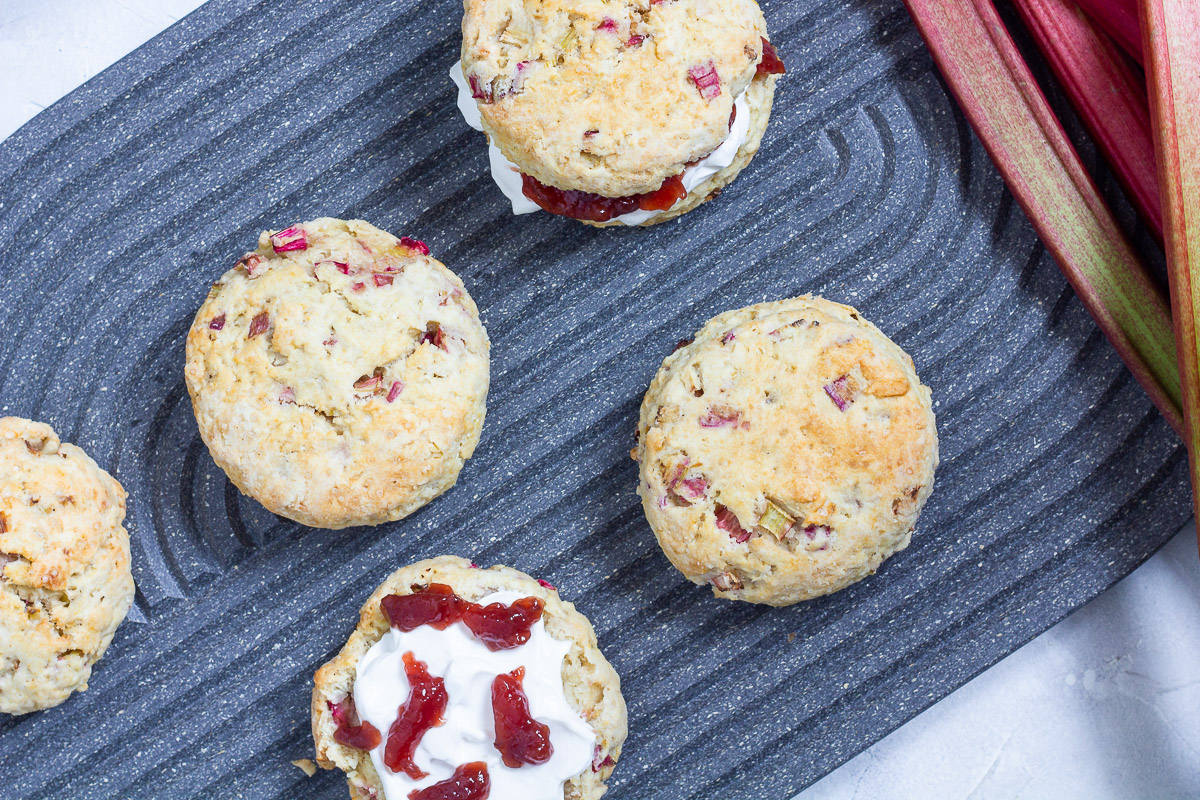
{"x": 120, "y": 204}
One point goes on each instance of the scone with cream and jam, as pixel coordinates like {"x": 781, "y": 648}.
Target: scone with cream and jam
{"x": 65, "y": 582}
{"x": 616, "y": 112}
{"x": 785, "y": 452}
{"x": 339, "y": 374}
{"x": 469, "y": 683}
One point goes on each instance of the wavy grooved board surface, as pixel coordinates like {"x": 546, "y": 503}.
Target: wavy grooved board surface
{"x": 120, "y": 205}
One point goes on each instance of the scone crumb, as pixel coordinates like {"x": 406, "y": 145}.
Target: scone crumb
{"x": 65, "y": 581}
{"x": 306, "y": 765}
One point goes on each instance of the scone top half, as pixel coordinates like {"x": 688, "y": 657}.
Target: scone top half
{"x": 339, "y": 374}
{"x": 65, "y": 582}
{"x": 589, "y": 684}
{"x": 605, "y": 96}
{"x": 786, "y": 452}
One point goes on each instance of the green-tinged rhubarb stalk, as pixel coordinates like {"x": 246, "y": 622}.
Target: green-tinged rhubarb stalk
{"x": 1010, "y": 115}
{"x": 1107, "y": 90}
{"x": 1171, "y": 37}
{"x": 1119, "y": 19}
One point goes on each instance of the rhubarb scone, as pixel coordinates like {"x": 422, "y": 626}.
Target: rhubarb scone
{"x": 616, "y": 112}
{"x": 339, "y": 374}
{"x": 65, "y": 583}
{"x": 469, "y": 683}
{"x": 785, "y": 452}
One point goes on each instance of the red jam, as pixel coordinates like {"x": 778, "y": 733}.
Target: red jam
{"x": 363, "y": 736}
{"x": 771, "y": 63}
{"x": 498, "y": 626}
{"x": 502, "y": 627}
{"x": 469, "y": 782}
{"x": 427, "y": 702}
{"x": 519, "y": 737}
{"x": 596, "y": 207}
{"x": 435, "y": 604}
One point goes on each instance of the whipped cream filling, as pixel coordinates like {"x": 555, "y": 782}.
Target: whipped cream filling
{"x": 468, "y": 732}
{"x": 507, "y": 175}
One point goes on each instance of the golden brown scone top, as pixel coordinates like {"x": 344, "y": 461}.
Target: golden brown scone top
{"x": 342, "y": 384}
{"x": 798, "y": 423}
{"x": 65, "y": 582}
{"x": 601, "y": 95}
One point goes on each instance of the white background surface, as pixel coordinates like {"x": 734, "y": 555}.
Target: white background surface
{"x": 1104, "y": 705}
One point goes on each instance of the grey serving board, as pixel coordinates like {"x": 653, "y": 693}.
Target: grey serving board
{"x": 123, "y": 202}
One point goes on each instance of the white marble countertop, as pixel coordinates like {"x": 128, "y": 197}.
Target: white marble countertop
{"x": 1104, "y": 705}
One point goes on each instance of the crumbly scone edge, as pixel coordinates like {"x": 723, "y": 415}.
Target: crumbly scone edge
{"x": 65, "y": 580}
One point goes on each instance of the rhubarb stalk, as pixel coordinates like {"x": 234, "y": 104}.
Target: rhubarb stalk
{"x": 1001, "y": 99}
{"x": 1108, "y": 92}
{"x": 1171, "y": 35}
{"x": 1119, "y": 19}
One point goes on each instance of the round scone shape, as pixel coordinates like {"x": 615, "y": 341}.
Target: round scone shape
{"x": 613, "y": 111}
{"x": 65, "y": 583}
{"x": 785, "y": 452}
{"x": 338, "y": 374}
{"x": 464, "y": 677}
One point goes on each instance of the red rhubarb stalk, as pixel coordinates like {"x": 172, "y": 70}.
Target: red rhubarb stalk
{"x": 1010, "y": 115}
{"x": 1107, "y": 90}
{"x": 1119, "y": 19}
{"x": 1171, "y": 33}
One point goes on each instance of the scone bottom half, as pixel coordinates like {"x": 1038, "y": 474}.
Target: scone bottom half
{"x": 339, "y": 374}
{"x": 479, "y": 649}
{"x": 617, "y": 113}
{"x": 65, "y": 580}
{"x": 785, "y": 452}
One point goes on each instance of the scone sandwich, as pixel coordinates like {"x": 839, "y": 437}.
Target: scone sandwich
{"x": 616, "y": 112}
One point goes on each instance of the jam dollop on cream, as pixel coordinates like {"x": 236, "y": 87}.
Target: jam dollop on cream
{"x": 469, "y": 782}
{"x": 436, "y": 605}
{"x": 503, "y": 626}
{"x": 472, "y": 699}
{"x": 499, "y": 626}
{"x": 427, "y": 701}
{"x": 528, "y": 195}
{"x": 520, "y": 738}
